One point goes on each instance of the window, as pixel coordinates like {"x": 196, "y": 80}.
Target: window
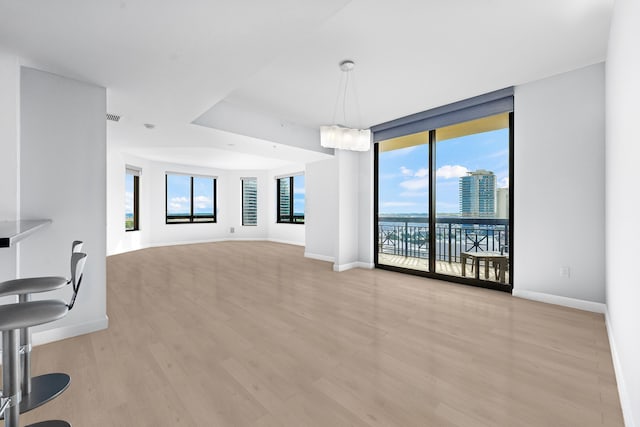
{"x": 443, "y": 192}
{"x": 291, "y": 199}
{"x": 131, "y": 199}
{"x": 249, "y": 201}
{"x": 190, "y": 199}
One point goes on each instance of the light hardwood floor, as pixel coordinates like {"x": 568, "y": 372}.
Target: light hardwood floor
{"x": 254, "y": 334}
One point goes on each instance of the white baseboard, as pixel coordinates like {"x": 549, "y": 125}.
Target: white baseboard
{"x": 286, "y": 242}
{"x": 195, "y": 242}
{"x": 57, "y": 334}
{"x": 186, "y": 242}
{"x": 595, "y": 307}
{"x": 358, "y": 264}
{"x": 319, "y": 257}
{"x": 366, "y": 265}
{"x": 625, "y": 402}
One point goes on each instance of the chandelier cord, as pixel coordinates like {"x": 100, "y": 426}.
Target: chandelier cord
{"x": 344, "y": 100}
{"x": 335, "y": 107}
{"x": 357, "y": 103}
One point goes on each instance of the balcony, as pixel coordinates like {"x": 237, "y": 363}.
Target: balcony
{"x": 403, "y": 241}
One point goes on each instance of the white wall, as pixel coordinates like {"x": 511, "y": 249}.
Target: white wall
{"x": 9, "y": 144}
{"x": 63, "y": 177}
{"x": 347, "y": 245}
{"x": 623, "y": 203}
{"x": 559, "y": 185}
{"x": 286, "y": 233}
{"x": 321, "y": 216}
{"x": 365, "y": 212}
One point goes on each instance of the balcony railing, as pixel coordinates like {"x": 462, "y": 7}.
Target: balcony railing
{"x": 409, "y": 236}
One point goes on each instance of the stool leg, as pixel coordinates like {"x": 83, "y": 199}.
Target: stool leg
{"x": 25, "y": 357}
{"x": 11, "y": 376}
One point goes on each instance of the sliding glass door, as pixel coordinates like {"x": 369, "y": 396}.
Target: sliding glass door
{"x": 472, "y": 199}
{"x": 403, "y": 202}
{"x": 443, "y": 201}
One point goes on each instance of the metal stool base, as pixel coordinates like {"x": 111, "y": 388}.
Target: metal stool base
{"x": 52, "y": 423}
{"x": 43, "y": 389}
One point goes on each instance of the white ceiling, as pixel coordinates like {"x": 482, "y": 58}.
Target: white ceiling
{"x": 167, "y": 62}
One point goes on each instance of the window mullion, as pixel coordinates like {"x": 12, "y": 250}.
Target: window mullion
{"x": 191, "y": 200}
{"x": 291, "y": 218}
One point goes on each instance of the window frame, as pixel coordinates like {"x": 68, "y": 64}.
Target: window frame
{"x": 493, "y": 103}
{"x": 242, "y": 188}
{"x": 135, "y": 173}
{"x": 191, "y": 218}
{"x": 279, "y": 218}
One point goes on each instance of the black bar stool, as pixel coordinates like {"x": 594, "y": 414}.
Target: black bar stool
{"x": 38, "y": 390}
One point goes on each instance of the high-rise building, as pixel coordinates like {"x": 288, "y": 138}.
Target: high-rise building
{"x": 477, "y": 193}
{"x": 502, "y": 203}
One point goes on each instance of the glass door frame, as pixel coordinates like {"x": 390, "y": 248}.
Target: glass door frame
{"x": 432, "y": 273}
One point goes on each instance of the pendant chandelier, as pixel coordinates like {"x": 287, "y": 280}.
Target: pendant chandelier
{"x": 342, "y": 136}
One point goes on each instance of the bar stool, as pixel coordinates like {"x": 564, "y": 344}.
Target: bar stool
{"x": 40, "y": 389}
{"x": 13, "y": 318}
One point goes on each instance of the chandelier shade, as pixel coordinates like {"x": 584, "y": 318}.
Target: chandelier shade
{"x": 345, "y": 138}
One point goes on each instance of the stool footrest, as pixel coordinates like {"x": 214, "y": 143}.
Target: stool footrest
{"x": 43, "y": 389}
{"x": 51, "y": 423}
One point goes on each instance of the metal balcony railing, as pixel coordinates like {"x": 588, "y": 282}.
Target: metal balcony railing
{"x": 409, "y": 236}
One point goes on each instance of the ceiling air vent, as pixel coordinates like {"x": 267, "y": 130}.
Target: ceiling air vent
{"x": 113, "y": 117}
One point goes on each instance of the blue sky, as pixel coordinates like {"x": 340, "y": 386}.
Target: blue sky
{"x": 128, "y": 194}
{"x": 179, "y": 194}
{"x": 403, "y": 173}
{"x": 298, "y": 194}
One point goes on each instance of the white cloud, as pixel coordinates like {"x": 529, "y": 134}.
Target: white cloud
{"x": 202, "y": 202}
{"x": 298, "y": 190}
{"x": 415, "y": 184}
{"x": 451, "y": 171}
{"x": 421, "y": 173}
{"x": 179, "y": 204}
{"x": 405, "y": 171}
{"x": 398, "y": 204}
{"x": 504, "y": 182}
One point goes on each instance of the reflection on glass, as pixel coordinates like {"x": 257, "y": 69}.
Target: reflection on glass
{"x": 249, "y": 201}
{"x": 178, "y": 198}
{"x": 129, "y": 195}
{"x": 403, "y": 202}
{"x": 472, "y": 198}
{"x": 298, "y": 198}
{"x": 203, "y": 195}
